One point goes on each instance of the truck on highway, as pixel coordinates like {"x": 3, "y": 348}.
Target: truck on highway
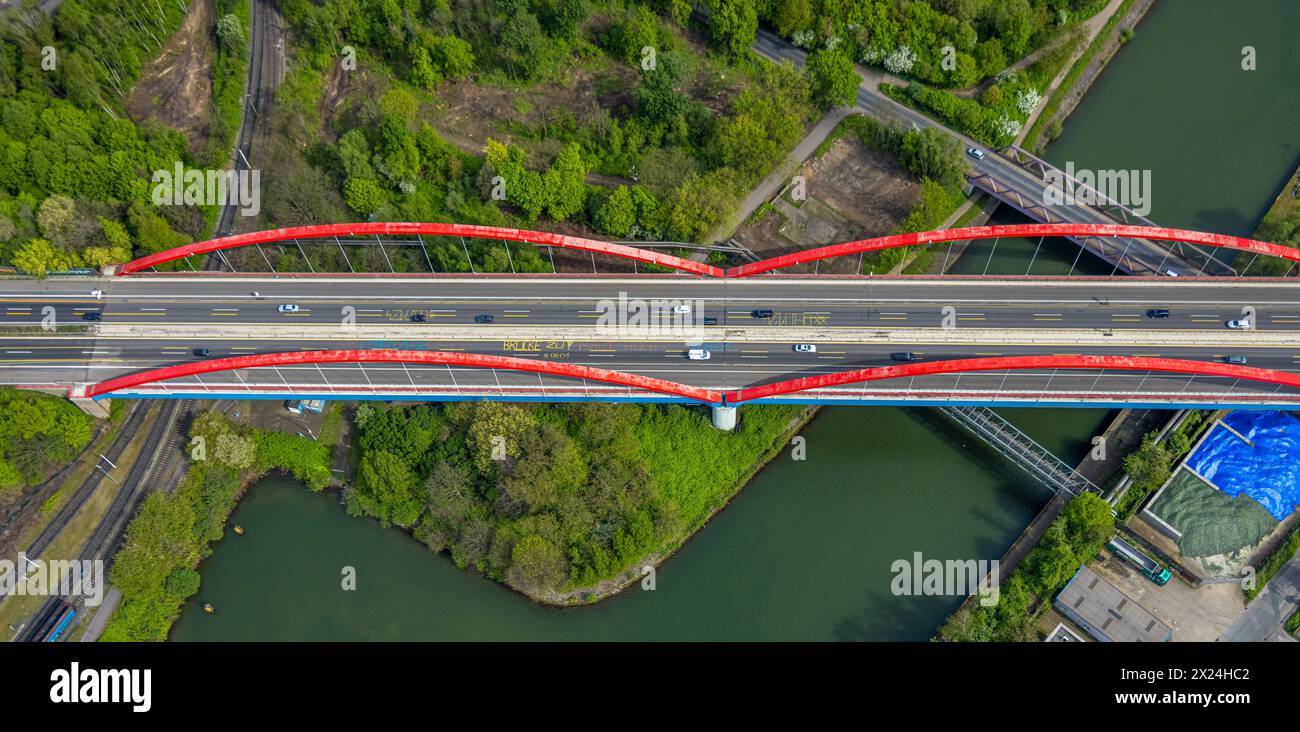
{"x": 1151, "y": 569}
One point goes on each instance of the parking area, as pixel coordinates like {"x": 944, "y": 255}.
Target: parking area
{"x": 1194, "y": 614}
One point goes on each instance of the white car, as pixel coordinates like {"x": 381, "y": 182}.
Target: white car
{"x": 97, "y": 294}
{"x": 681, "y": 309}
{"x": 1238, "y": 324}
{"x": 805, "y": 348}
{"x": 1171, "y": 273}
{"x": 975, "y": 152}
{"x": 699, "y": 354}
{"x": 288, "y": 308}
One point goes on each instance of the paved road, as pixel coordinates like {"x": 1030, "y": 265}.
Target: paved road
{"x": 1263, "y": 618}
{"x": 855, "y": 323}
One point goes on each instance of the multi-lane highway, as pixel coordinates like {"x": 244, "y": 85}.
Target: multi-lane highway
{"x": 855, "y": 323}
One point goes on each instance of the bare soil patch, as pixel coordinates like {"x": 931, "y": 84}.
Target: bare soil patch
{"x": 854, "y": 192}
{"x": 176, "y": 87}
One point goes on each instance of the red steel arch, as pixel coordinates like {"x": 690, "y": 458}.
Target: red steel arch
{"x": 396, "y": 356}
{"x": 686, "y": 265}
{"x": 1014, "y": 363}
{"x": 412, "y": 229}
{"x": 1027, "y": 230}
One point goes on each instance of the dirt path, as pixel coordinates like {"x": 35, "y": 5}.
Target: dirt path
{"x": 1094, "y": 26}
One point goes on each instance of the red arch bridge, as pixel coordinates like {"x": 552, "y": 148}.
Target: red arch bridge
{"x": 438, "y": 375}
{"x": 412, "y": 234}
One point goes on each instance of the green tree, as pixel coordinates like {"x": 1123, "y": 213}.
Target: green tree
{"x": 618, "y": 214}
{"x": 930, "y": 153}
{"x": 230, "y": 33}
{"x": 536, "y": 564}
{"x": 364, "y": 196}
{"x": 39, "y": 257}
{"x": 182, "y": 583}
{"x": 565, "y": 183}
{"x": 733, "y": 25}
{"x": 833, "y": 79}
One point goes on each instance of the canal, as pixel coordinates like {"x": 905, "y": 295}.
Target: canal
{"x": 804, "y": 552}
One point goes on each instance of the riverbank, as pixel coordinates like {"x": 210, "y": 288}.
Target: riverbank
{"x": 1069, "y": 92}
{"x": 803, "y": 553}
{"x": 609, "y": 588}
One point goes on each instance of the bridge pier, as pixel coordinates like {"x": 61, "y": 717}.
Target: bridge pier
{"x": 97, "y": 409}
{"x": 724, "y": 418}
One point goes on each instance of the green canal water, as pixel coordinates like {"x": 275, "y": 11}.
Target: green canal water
{"x": 803, "y": 553}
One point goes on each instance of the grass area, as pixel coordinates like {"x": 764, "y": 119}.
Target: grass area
{"x": 1293, "y": 624}
{"x": 69, "y": 543}
{"x": 1270, "y": 566}
{"x": 1067, "y": 84}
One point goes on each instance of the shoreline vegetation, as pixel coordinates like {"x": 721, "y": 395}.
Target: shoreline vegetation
{"x": 530, "y": 511}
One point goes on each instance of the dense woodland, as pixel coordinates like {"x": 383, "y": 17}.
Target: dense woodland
{"x": 553, "y": 499}
{"x": 686, "y": 119}
{"x": 38, "y": 434}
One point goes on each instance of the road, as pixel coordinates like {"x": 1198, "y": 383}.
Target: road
{"x": 151, "y": 322}
{"x": 1263, "y": 618}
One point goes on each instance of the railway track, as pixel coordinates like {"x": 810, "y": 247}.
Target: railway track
{"x": 136, "y": 486}
{"x": 89, "y": 485}
{"x": 140, "y": 481}
{"x": 257, "y": 97}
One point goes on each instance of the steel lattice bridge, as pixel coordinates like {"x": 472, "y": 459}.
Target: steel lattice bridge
{"x": 950, "y": 340}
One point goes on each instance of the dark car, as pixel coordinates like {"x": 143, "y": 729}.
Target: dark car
{"x": 1157, "y": 313}
{"x": 710, "y": 320}
{"x": 96, "y": 315}
{"x": 762, "y": 313}
{"x": 419, "y": 318}
{"x": 202, "y": 353}
{"x": 1236, "y": 360}
{"x": 904, "y": 356}
{"x": 485, "y": 319}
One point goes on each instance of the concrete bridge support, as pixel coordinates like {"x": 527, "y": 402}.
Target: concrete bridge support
{"x": 96, "y": 409}
{"x": 724, "y": 418}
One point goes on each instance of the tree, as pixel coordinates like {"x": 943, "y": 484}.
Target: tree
{"x": 55, "y": 216}
{"x": 565, "y": 183}
{"x": 733, "y": 25}
{"x": 233, "y": 450}
{"x": 230, "y": 33}
{"x": 39, "y": 257}
{"x": 929, "y": 153}
{"x": 618, "y": 214}
{"x": 386, "y": 489}
{"x": 656, "y": 96}
{"x": 182, "y": 583}
{"x": 364, "y": 196}
{"x": 640, "y": 29}
{"x": 1148, "y": 466}
{"x": 1088, "y": 521}
{"x": 792, "y": 15}
{"x": 536, "y": 564}
{"x": 522, "y": 45}
{"x": 833, "y": 79}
